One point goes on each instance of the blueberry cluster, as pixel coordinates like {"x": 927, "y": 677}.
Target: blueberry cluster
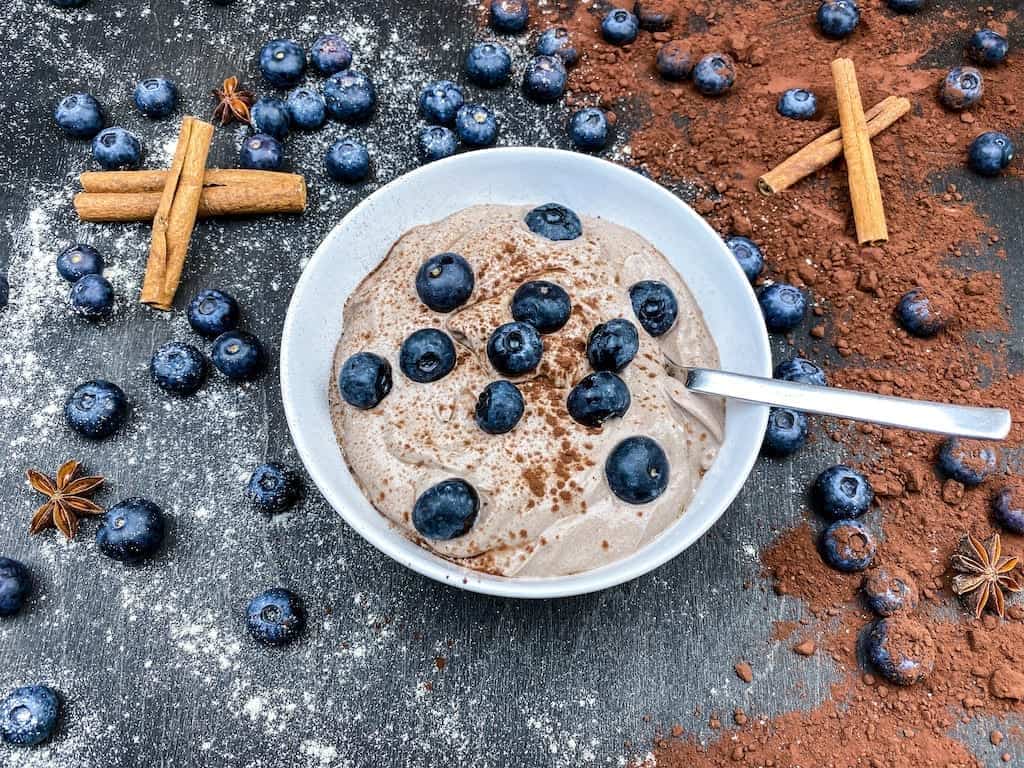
{"x": 843, "y": 494}
{"x": 92, "y": 295}
{"x": 713, "y": 74}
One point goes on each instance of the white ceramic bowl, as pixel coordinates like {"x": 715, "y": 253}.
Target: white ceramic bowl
{"x": 518, "y": 176}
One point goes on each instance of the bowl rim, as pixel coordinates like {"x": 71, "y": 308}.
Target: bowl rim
{"x": 453, "y": 574}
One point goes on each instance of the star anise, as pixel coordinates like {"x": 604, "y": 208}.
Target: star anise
{"x": 983, "y": 575}
{"x": 232, "y": 102}
{"x": 65, "y": 501}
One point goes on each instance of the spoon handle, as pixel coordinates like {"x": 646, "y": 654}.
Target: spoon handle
{"x": 920, "y": 415}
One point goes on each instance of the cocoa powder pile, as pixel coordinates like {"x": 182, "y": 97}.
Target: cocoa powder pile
{"x": 712, "y": 150}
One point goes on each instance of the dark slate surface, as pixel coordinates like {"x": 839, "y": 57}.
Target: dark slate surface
{"x": 153, "y": 662}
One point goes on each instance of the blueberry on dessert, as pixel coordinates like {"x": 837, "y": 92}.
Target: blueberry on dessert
{"x": 987, "y": 47}
{"x": 637, "y": 470}
{"x": 96, "y": 409}
{"x": 270, "y": 117}
{"x": 262, "y": 153}
{"x": 620, "y": 27}
{"x": 306, "y": 108}
{"x": 917, "y": 315}
{"x": 445, "y": 282}
{"x": 554, "y": 221}
{"x": 156, "y": 97}
{"x": 556, "y": 41}
{"x": 273, "y": 488}
{"x": 282, "y": 62}
{"x": 967, "y": 461}
{"x": 847, "y": 545}
{"x": 29, "y": 715}
{"x": 78, "y": 260}
{"x": 212, "y": 313}
{"x": 990, "y": 153}
{"x": 906, "y": 6}
{"x": 476, "y": 125}
{"x": 365, "y": 380}
{"x": 350, "y": 96}
{"x": 841, "y": 492}
{"x": 901, "y": 650}
{"x": 347, "y": 161}
{"x": 239, "y": 355}
{"x": 275, "y": 617}
{"x": 439, "y": 101}
{"x": 131, "y": 531}
{"x": 800, "y": 370}
{"x": 798, "y": 104}
{"x": 962, "y": 88}
{"x": 436, "y": 142}
{"x": 612, "y": 345}
{"x": 1008, "y": 514}
{"x": 889, "y": 591}
{"x": 446, "y": 511}
{"x": 15, "y": 583}
{"x": 748, "y": 254}
{"x": 598, "y": 397}
{"x": 654, "y": 15}
{"x": 116, "y": 149}
{"x": 509, "y": 16}
{"x": 515, "y": 348}
{"x": 654, "y": 305}
{"x": 838, "y": 18}
{"x": 544, "y": 79}
{"x": 786, "y": 432}
{"x": 79, "y": 115}
{"x": 674, "y": 60}
{"x": 783, "y": 306}
{"x": 178, "y": 368}
{"x": 427, "y": 355}
{"x": 544, "y": 305}
{"x": 92, "y": 296}
{"x": 588, "y": 129}
{"x": 714, "y": 74}
{"x": 330, "y": 54}
{"x": 499, "y": 407}
{"x": 488, "y": 65}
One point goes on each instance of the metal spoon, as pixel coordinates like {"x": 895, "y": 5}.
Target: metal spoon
{"x": 920, "y": 415}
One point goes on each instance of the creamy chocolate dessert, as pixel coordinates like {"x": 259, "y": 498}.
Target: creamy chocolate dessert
{"x": 503, "y": 391}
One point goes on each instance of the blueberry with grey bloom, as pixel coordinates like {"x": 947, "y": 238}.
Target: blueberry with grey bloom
{"x": 116, "y": 149}
{"x": 841, "y": 492}
{"x": 786, "y": 432}
{"x": 306, "y": 108}
{"x": 29, "y": 715}
{"x": 783, "y": 306}
{"x": 131, "y": 531}
{"x": 79, "y": 115}
{"x": 156, "y": 97}
{"x": 427, "y": 355}
{"x": 270, "y": 116}
{"x": 78, "y": 260}
{"x": 848, "y": 546}
{"x": 554, "y": 221}
{"x": 890, "y": 591}
{"x": 543, "y": 304}
{"x": 714, "y": 74}
{"x": 273, "y": 488}
{"x": 488, "y": 65}
{"x": 654, "y": 305}
{"x": 557, "y": 41}
{"x": 748, "y": 254}
{"x": 178, "y": 368}
{"x": 15, "y": 584}
{"x": 654, "y": 15}
{"x": 282, "y": 63}
{"x": 436, "y": 142}
{"x": 544, "y": 79}
{"x": 350, "y": 96}
{"x": 898, "y": 648}
{"x": 96, "y": 409}
{"x": 365, "y": 380}
{"x": 509, "y": 16}
{"x": 612, "y": 346}
{"x": 348, "y": 161}
{"x": 990, "y": 153}
{"x": 599, "y": 396}
{"x": 445, "y": 281}
{"x": 987, "y": 47}
{"x": 239, "y": 355}
{"x": 499, "y": 407}
{"x": 446, "y": 511}
{"x": 439, "y": 101}
{"x": 476, "y": 125}
{"x": 800, "y": 370}
{"x": 966, "y": 461}
{"x": 262, "y": 153}
{"x": 515, "y": 348}
{"x": 275, "y": 616}
{"x": 637, "y": 470}
{"x": 619, "y": 27}
{"x": 917, "y": 315}
{"x": 92, "y": 297}
{"x": 838, "y": 18}
{"x": 906, "y": 6}
{"x": 588, "y": 129}
{"x": 330, "y": 54}
{"x": 1007, "y": 513}
{"x": 962, "y": 88}
{"x": 798, "y": 104}
{"x": 674, "y": 60}
{"x": 213, "y": 312}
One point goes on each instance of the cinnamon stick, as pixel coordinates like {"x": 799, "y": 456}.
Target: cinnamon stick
{"x": 176, "y": 213}
{"x": 865, "y": 192}
{"x": 827, "y": 147}
{"x": 154, "y": 181}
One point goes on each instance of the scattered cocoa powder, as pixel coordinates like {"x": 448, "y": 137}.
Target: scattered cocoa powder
{"x": 744, "y": 671}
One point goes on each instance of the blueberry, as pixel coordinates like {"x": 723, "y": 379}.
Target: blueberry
{"x": 283, "y": 63}
{"x": 655, "y": 306}
{"x": 446, "y": 511}
{"x": 847, "y": 545}
{"x": 270, "y": 117}
{"x": 990, "y": 153}
{"x": 427, "y": 355}
{"x": 96, "y": 409}
{"x": 499, "y": 407}
{"x": 962, "y": 88}
{"x": 92, "y": 296}
{"x": 156, "y": 97}
{"x": 239, "y": 355}
{"x": 714, "y": 74}
{"x": 509, "y": 16}
{"x": 619, "y": 27}
{"x": 1008, "y": 514}
{"x": 588, "y": 129}
{"x": 544, "y": 305}
{"x": 28, "y": 715}
{"x": 556, "y": 41}
{"x": 178, "y": 368}
{"x": 906, "y": 6}
{"x": 901, "y": 650}
{"x": 889, "y": 591}
{"x": 15, "y": 583}
{"x": 330, "y": 54}
{"x": 801, "y": 371}
{"x": 798, "y": 104}
{"x": 515, "y": 348}
{"x": 350, "y": 96}
{"x": 79, "y": 116}
{"x": 476, "y": 125}
{"x": 554, "y": 221}
{"x": 612, "y": 345}
{"x": 439, "y": 101}
{"x": 262, "y": 153}
{"x": 275, "y": 617}
{"x": 436, "y": 142}
{"x": 748, "y": 254}
{"x": 917, "y": 315}
{"x": 445, "y": 282}
{"x": 78, "y": 260}
{"x": 306, "y": 108}
{"x": 783, "y": 306}
{"x": 967, "y": 461}
{"x": 842, "y": 493}
{"x": 131, "y": 531}
{"x": 838, "y": 18}
{"x": 654, "y": 15}
{"x": 365, "y": 380}
{"x": 544, "y": 78}
{"x": 598, "y": 397}
{"x": 674, "y": 60}
{"x": 116, "y": 149}
{"x": 786, "y": 433}
{"x": 212, "y": 313}
{"x": 488, "y": 65}
{"x": 987, "y": 47}
{"x": 347, "y": 161}
{"x": 273, "y": 488}
{"x": 637, "y": 470}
